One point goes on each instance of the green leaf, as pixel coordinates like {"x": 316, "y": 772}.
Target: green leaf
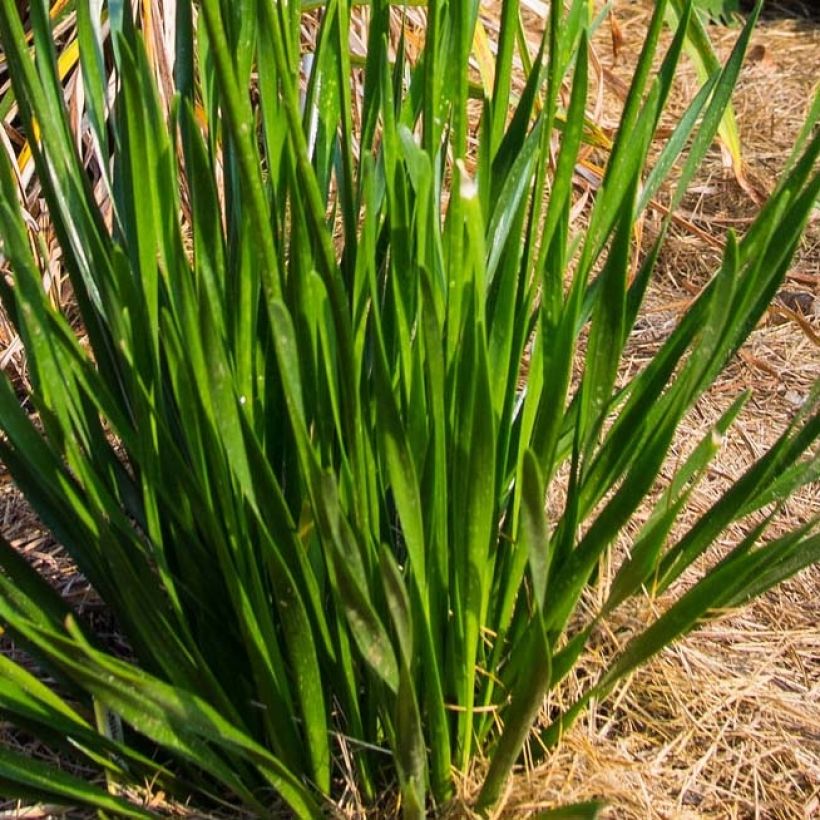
{"x": 526, "y": 701}
{"x": 589, "y": 810}
{"x": 54, "y": 785}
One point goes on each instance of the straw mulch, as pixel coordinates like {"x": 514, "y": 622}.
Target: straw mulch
{"x": 727, "y": 723}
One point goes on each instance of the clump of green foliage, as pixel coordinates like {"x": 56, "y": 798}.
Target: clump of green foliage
{"x": 301, "y": 458}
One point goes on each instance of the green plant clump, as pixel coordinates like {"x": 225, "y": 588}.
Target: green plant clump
{"x": 327, "y": 386}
